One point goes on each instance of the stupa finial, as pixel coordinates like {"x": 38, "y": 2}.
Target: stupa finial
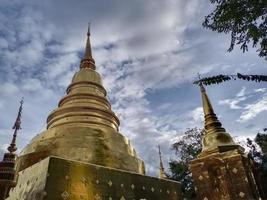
{"x": 207, "y": 107}
{"x": 211, "y": 119}
{"x": 88, "y": 30}
{"x": 17, "y": 126}
{"x": 88, "y": 61}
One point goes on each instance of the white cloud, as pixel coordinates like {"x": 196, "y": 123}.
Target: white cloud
{"x": 260, "y": 90}
{"x": 8, "y": 89}
{"x": 32, "y": 85}
{"x": 234, "y": 102}
{"x": 242, "y": 92}
{"x": 254, "y": 109}
{"x": 4, "y": 147}
{"x": 248, "y": 110}
{"x": 198, "y": 115}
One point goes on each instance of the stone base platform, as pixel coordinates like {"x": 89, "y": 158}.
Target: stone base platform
{"x": 59, "y": 179}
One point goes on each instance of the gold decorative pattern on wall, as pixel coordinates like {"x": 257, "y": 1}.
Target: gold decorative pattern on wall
{"x": 71, "y": 180}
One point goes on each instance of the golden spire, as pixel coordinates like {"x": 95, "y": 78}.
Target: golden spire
{"x": 162, "y": 173}
{"x": 215, "y": 134}
{"x": 12, "y": 147}
{"x": 8, "y": 174}
{"x": 86, "y": 100}
{"x": 211, "y": 120}
{"x": 88, "y": 61}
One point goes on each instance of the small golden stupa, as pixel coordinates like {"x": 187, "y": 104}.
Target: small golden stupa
{"x": 215, "y": 136}
{"x": 221, "y": 171}
{"x": 82, "y": 155}
{"x": 162, "y": 173}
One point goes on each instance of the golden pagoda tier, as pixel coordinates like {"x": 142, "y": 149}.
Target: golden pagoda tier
{"x": 84, "y": 127}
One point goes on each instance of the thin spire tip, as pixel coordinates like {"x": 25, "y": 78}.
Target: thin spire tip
{"x": 89, "y": 30}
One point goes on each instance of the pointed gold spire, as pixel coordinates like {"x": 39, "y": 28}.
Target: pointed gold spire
{"x": 12, "y": 147}
{"x": 211, "y": 120}
{"x": 88, "y": 49}
{"x": 8, "y": 173}
{"x": 162, "y": 173}
{"x": 88, "y": 61}
{"x": 215, "y": 135}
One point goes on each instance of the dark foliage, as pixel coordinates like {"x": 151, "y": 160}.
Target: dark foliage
{"x": 222, "y": 78}
{"x": 261, "y": 140}
{"x": 245, "y": 20}
{"x": 254, "y": 154}
{"x": 186, "y": 148}
{"x": 260, "y": 161}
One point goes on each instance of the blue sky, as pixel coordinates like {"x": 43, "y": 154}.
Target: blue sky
{"x": 148, "y": 53}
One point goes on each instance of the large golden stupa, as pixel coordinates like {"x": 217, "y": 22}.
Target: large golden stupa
{"x": 84, "y": 127}
{"x": 82, "y": 155}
